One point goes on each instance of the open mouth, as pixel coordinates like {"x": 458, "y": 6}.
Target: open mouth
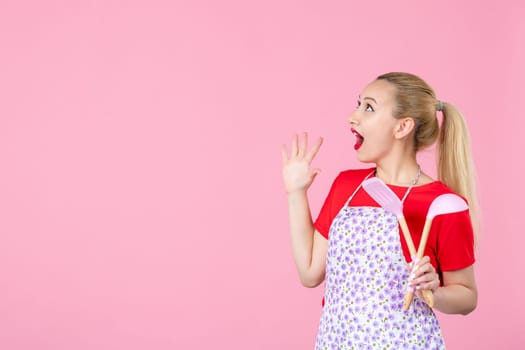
{"x": 358, "y": 139}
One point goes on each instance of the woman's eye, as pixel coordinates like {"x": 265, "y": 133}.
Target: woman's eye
{"x": 369, "y": 108}
{"x": 358, "y": 104}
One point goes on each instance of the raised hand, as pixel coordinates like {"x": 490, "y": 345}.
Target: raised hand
{"x": 297, "y": 174}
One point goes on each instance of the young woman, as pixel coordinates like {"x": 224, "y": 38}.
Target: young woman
{"x": 356, "y": 246}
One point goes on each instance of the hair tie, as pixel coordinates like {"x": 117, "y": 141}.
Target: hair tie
{"x": 439, "y": 106}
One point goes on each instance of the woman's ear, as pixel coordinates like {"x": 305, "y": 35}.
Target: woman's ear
{"x": 404, "y": 127}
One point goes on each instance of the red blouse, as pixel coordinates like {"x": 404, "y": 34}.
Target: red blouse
{"x": 450, "y": 244}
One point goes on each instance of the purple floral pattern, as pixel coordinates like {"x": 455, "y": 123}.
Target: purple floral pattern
{"x": 366, "y": 278}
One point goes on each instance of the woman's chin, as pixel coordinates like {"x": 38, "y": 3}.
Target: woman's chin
{"x": 363, "y": 158}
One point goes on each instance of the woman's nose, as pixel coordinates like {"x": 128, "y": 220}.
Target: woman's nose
{"x": 352, "y": 119}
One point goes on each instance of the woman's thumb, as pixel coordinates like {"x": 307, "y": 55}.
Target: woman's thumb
{"x": 315, "y": 172}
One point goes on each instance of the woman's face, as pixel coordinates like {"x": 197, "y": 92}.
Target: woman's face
{"x": 373, "y": 122}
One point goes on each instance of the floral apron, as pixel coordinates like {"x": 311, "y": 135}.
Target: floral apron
{"x": 366, "y": 279}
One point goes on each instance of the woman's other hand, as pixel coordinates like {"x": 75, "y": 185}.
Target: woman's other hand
{"x": 297, "y": 174}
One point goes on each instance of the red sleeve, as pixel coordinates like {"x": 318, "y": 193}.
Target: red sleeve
{"x": 343, "y": 186}
{"x": 455, "y": 241}
{"x": 326, "y": 215}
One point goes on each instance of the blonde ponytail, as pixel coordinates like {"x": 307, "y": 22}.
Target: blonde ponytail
{"x": 454, "y": 159}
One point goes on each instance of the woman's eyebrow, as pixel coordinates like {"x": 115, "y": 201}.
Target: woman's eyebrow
{"x": 368, "y": 98}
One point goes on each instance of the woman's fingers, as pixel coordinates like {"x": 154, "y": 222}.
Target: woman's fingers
{"x": 294, "y": 146}
{"x": 431, "y": 285}
{"x": 303, "y": 145}
{"x": 420, "y": 263}
{"x": 424, "y": 275}
{"x": 297, "y": 174}
{"x": 300, "y": 148}
{"x": 311, "y": 154}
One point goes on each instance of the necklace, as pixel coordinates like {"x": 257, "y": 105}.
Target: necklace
{"x": 412, "y": 184}
{"x": 416, "y": 179}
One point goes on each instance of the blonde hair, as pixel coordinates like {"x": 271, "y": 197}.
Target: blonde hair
{"x": 417, "y": 100}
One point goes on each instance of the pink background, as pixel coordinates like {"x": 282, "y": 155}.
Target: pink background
{"x": 141, "y": 203}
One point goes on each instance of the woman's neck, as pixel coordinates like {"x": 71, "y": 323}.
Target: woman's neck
{"x": 399, "y": 173}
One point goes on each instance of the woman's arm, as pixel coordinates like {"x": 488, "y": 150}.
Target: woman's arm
{"x": 309, "y": 247}
{"x": 459, "y": 294}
